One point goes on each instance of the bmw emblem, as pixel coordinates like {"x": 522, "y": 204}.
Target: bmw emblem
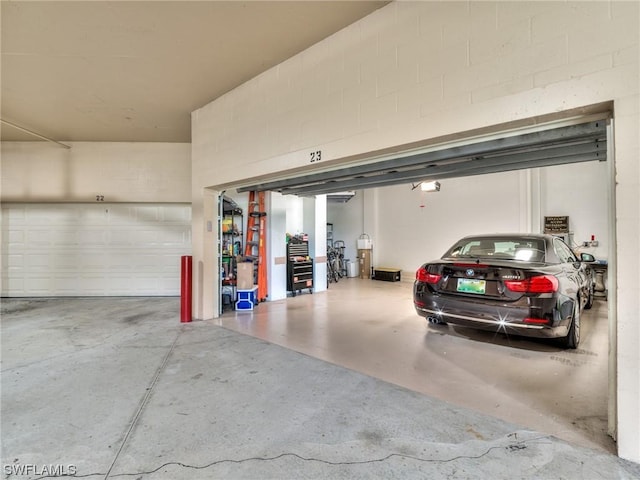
{"x": 470, "y": 272}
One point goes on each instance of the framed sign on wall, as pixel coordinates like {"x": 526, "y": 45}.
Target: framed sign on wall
{"x": 556, "y": 224}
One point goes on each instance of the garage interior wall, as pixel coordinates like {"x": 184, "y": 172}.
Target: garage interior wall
{"x": 97, "y": 219}
{"x": 415, "y": 71}
{"x": 418, "y": 226}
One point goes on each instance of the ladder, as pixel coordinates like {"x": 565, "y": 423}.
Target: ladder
{"x": 256, "y": 247}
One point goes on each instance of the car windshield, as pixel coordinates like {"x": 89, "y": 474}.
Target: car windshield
{"x": 521, "y": 249}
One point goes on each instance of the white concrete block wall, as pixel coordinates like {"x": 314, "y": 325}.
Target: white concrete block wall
{"x": 117, "y": 172}
{"x": 413, "y": 72}
{"x": 90, "y": 250}
{"x": 299, "y": 104}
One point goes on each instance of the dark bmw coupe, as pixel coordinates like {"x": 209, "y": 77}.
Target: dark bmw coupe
{"x": 525, "y": 284}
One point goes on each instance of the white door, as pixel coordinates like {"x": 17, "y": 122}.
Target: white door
{"x": 93, "y": 249}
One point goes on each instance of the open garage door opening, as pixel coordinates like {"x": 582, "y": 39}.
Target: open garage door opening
{"x": 371, "y": 326}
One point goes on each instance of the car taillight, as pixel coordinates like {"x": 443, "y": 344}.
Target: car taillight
{"x": 539, "y": 284}
{"x": 425, "y": 277}
{"x": 536, "y": 321}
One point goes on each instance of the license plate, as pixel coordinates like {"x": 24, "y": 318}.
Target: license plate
{"x": 468, "y": 285}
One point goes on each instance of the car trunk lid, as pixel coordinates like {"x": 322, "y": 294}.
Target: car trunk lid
{"x": 481, "y": 279}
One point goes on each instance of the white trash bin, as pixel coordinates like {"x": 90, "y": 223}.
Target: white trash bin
{"x": 352, "y": 269}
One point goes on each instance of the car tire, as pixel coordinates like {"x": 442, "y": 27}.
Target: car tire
{"x": 573, "y": 337}
{"x": 589, "y": 303}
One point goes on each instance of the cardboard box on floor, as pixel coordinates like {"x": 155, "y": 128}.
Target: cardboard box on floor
{"x": 245, "y": 276}
{"x": 364, "y": 258}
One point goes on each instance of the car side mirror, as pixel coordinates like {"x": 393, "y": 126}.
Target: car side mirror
{"x": 587, "y": 257}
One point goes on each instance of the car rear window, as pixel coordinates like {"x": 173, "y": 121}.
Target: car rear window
{"x": 518, "y": 249}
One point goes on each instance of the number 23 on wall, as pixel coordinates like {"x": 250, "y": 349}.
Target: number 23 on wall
{"x": 315, "y": 156}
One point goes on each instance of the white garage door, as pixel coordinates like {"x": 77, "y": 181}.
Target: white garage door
{"x": 93, "y": 249}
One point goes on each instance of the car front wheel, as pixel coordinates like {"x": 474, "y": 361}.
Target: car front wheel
{"x": 589, "y": 303}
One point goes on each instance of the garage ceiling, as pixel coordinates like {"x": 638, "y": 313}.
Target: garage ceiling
{"x": 133, "y": 71}
{"x": 582, "y": 142}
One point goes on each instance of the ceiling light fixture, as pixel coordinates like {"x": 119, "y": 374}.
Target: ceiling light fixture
{"x": 430, "y": 186}
{"x": 340, "y": 197}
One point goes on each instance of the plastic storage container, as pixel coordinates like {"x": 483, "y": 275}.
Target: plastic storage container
{"x": 364, "y": 242}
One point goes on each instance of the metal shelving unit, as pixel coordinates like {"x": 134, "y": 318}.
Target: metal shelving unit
{"x": 329, "y": 235}
{"x": 231, "y": 226}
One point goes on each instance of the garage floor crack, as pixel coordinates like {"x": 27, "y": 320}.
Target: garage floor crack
{"x": 511, "y": 447}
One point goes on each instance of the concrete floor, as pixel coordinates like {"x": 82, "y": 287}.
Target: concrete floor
{"x": 534, "y": 383}
{"x": 118, "y": 388}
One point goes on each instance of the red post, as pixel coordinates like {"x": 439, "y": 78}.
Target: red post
{"x": 185, "y": 288}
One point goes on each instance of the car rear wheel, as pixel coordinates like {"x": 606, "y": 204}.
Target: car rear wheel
{"x": 573, "y": 338}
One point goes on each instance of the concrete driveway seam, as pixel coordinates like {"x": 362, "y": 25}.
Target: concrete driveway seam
{"x": 144, "y": 401}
